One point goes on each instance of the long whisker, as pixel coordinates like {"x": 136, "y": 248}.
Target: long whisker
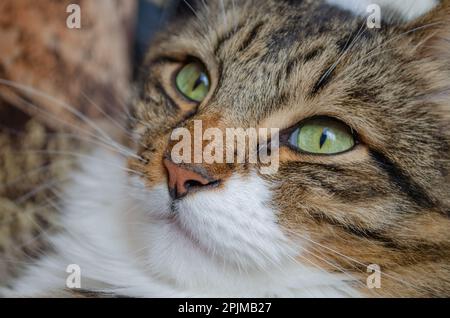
{"x": 79, "y": 155}
{"x": 351, "y": 278}
{"x": 103, "y": 112}
{"x": 76, "y": 128}
{"x": 125, "y": 152}
{"x": 374, "y": 52}
{"x": 87, "y": 139}
{"x": 361, "y": 31}
{"x": 128, "y": 117}
{"x": 337, "y": 267}
{"x": 347, "y": 257}
{"x": 63, "y": 105}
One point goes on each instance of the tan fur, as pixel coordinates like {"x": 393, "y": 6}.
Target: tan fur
{"x": 387, "y": 201}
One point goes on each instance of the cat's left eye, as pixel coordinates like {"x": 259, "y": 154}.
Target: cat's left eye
{"x": 323, "y": 136}
{"x": 193, "y": 82}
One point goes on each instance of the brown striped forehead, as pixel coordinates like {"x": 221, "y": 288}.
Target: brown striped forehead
{"x": 270, "y": 49}
{"x": 277, "y": 54}
{"x": 283, "y": 28}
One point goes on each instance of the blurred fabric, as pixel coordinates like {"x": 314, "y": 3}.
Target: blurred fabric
{"x": 45, "y": 61}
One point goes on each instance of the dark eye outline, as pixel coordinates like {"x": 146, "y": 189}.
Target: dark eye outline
{"x": 286, "y": 135}
{"x": 177, "y": 71}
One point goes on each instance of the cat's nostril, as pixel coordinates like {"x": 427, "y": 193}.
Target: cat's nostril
{"x": 183, "y": 180}
{"x": 192, "y": 184}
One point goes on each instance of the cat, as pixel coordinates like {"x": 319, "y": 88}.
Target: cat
{"x": 362, "y": 186}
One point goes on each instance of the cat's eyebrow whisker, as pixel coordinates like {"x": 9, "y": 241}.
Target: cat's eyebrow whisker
{"x": 200, "y": 21}
{"x": 186, "y": 2}
{"x": 360, "y": 33}
{"x": 205, "y": 5}
{"x": 374, "y": 52}
{"x": 419, "y": 28}
{"x": 356, "y": 63}
{"x": 195, "y": 13}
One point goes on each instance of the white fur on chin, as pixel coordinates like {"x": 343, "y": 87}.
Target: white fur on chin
{"x": 225, "y": 242}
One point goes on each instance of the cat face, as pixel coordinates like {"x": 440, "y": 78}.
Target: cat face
{"x": 363, "y": 144}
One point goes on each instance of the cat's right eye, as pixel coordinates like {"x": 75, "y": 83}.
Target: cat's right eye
{"x": 323, "y": 136}
{"x": 192, "y": 81}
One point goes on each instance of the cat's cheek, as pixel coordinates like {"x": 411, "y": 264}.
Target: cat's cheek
{"x": 154, "y": 201}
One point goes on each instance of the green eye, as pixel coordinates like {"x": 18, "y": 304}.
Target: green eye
{"x": 193, "y": 82}
{"x": 324, "y": 136}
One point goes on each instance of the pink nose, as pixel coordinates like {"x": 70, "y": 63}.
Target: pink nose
{"x": 182, "y": 180}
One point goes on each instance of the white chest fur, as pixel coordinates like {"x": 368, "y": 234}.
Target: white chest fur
{"x": 112, "y": 232}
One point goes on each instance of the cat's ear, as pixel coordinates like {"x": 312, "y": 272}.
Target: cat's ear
{"x": 431, "y": 32}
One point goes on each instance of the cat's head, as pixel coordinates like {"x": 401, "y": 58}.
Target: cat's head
{"x": 363, "y": 142}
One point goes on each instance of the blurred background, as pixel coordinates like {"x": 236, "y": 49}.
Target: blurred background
{"x": 151, "y": 16}
{"x": 42, "y": 60}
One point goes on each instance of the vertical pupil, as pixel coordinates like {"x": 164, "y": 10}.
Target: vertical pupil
{"x": 200, "y": 80}
{"x": 324, "y": 137}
